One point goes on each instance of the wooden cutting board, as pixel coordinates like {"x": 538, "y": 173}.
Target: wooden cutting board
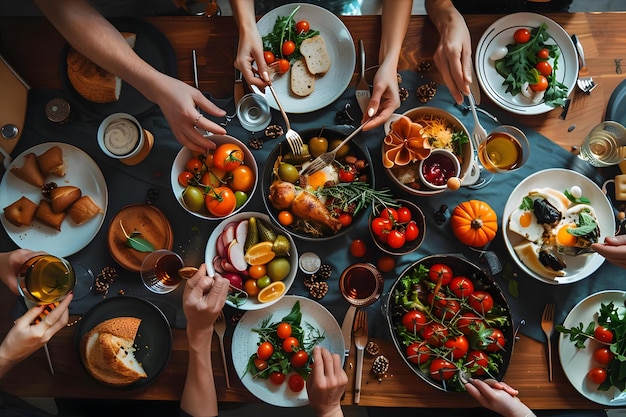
{"x": 13, "y": 101}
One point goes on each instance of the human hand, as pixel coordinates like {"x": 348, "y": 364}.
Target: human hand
{"x": 250, "y": 51}
{"x": 10, "y": 264}
{"x": 497, "y": 396}
{"x": 385, "y": 98}
{"x": 203, "y": 300}
{"x": 613, "y": 249}
{"x": 326, "y": 383}
{"x": 24, "y": 338}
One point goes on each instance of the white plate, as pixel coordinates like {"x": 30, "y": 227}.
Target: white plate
{"x": 577, "y": 362}
{"x": 578, "y": 267}
{"x": 82, "y": 172}
{"x": 245, "y": 343}
{"x": 339, "y": 45}
{"x": 499, "y": 34}
{"x": 210, "y": 253}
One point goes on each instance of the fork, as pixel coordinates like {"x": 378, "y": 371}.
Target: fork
{"x": 547, "y": 325}
{"x": 360, "y": 340}
{"x": 220, "y": 330}
{"x": 478, "y": 135}
{"x": 328, "y": 157}
{"x": 585, "y": 82}
{"x": 293, "y": 138}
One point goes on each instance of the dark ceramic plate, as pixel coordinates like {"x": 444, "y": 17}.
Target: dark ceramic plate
{"x": 481, "y": 281}
{"x": 152, "y": 46}
{"x": 616, "y": 109}
{"x": 153, "y": 340}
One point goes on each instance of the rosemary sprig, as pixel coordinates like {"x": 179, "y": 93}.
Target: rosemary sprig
{"x": 358, "y": 194}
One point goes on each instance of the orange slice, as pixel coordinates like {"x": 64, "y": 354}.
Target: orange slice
{"x": 272, "y": 292}
{"x": 259, "y": 254}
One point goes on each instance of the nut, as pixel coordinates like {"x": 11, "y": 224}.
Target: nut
{"x": 105, "y": 279}
{"x": 372, "y": 348}
{"x": 256, "y": 143}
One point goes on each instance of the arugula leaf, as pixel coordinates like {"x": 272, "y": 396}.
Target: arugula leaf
{"x": 284, "y": 30}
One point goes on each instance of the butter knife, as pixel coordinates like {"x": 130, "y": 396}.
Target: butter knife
{"x": 238, "y": 88}
{"x": 474, "y": 86}
{"x": 362, "y": 92}
{"x": 346, "y": 329}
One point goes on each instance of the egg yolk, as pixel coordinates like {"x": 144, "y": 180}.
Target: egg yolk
{"x": 525, "y": 219}
{"x": 316, "y": 180}
{"x": 565, "y": 238}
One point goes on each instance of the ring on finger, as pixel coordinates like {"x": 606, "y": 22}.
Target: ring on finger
{"x": 45, "y": 320}
{"x": 195, "y": 122}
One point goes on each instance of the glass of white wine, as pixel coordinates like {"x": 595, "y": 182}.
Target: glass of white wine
{"x": 505, "y": 149}
{"x": 45, "y": 279}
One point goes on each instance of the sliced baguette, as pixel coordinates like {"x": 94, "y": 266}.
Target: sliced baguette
{"x": 315, "y": 54}
{"x": 302, "y": 81}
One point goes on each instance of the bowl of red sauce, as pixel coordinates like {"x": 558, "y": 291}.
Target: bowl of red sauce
{"x": 436, "y": 170}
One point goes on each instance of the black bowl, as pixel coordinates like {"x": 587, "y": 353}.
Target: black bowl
{"x": 411, "y": 246}
{"x": 330, "y": 133}
{"x": 482, "y": 281}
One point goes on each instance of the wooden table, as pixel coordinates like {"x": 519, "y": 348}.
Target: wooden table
{"x": 33, "y": 47}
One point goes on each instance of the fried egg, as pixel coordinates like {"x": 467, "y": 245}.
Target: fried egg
{"x": 524, "y": 223}
{"x": 321, "y": 177}
{"x": 567, "y": 242}
{"x": 528, "y": 253}
{"x": 558, "y": 200}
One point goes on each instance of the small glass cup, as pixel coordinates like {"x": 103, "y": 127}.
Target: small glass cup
{"x": 253, "y": 112}
{"x": 159, "y": 271}
{"x": 361, "y": 284}
{"x": 605, "y": 145}
{"x": 45, "y": 279}
{"x": 505, "y": 149}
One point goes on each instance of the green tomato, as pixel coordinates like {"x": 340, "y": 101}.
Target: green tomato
{"x": 318, "y": 145}
{"x": 193, "y": 198}
{"x": 241, "y": 198}
{"x": 263, "y": 282}
{"x": 278, "y": 269}
{"x": 288, "y": 172}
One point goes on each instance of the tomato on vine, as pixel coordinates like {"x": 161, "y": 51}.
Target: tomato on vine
{"x": 302, "y": 26}
{"x": 184, "y": 178}
{"x": 220, "y": 201}
{"x": 228, "y": 156}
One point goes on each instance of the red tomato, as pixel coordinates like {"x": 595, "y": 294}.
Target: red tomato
{"x": 521, "y": 36}
{"x": 194, "y": 165}
{"x": 461, "y": 286}
{"x": 481, "y": 301}
{"x": 184, "y": 177}
{"x": 437, "y": 300}
{"x": 277, "y": 378}
{"x": 449, "y": 311}
{"x": 543, "y": 53}
{"x": 603, "y": 355}
{"x": 541, "y": 85}
{"x": 411, "y": 232}
{"x": 458, "y": 347}
{"x": 242, "y": 178}
{"x": 544, "y": 68}
{"x": 296, "y": 383}
{"x": 496, "y": 341}
{"x": 380, "y": 226}
{"x": 414, "y": 321}
{"x": 404, "y": 214}
{"x": 302, "y": 26}
{"x": 290, "y": 343}
{"x": 389, "y": 213}
{"x": 260, "y": 364}
{"x": 469, "y": 322}
{"x": 289, "y": 47}
{"x": 418, "y": 353}
{"x": 603, "y": 334}
{"x": 441, "y": 369}
{"x": 345, "y": 219}
{"x": 265, "y": 350}
{"x": 440, "y": 272}
{"x": 299, "y": 359}
{"x": 358, "y": 248}
{"x": 346, "y": 175}
{"x": 269, "y": 57}
{"x": 597, "y": 375}
{"x": 283, "y": 330}
{"x": 228, "y": 156}
{"x": 211, "y": 179}
{"x": 396, "y": 239}
{"x": 283, "y": 65}
{"x": 478, "y": 360}
{"x": 435, "y": 334}
{"x": 220, "y": 201}
{"x": 386, "y": 263}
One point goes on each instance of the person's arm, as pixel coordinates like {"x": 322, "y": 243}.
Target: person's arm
{"x": 10, "y": 264}
{"x": 203, "y": 300}
{"x": 498, "y": 397}
{"x": 326, "y": 383}
{"x": 385, "y": 97}
{"x": 250, "y": 46}
{"x": 96, "y": 38}
{"x": 453, "y": 56}
{"x": 613, "y": 249}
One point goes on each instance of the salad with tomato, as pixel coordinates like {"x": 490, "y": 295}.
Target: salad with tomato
{"x": 447, "y": 316}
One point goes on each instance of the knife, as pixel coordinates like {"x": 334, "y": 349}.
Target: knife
{"x": 346, "y": 329}
{"x": 474, "y": 86}
{"x": 238, "y": 88}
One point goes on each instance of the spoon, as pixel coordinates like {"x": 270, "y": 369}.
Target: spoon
{"x": 240, "y": 295}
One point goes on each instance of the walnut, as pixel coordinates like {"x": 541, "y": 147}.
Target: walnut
{"x": 274, "y": 131}
{"x": 372, "y": 348}
{"x": 318, "y": 289}
{"x": 380, "y": 366}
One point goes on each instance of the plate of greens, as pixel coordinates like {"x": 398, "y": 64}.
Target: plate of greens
{"x": 526, "y": 63}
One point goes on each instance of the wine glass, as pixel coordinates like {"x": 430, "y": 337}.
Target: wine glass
{"x": 45, "y": 279}
{"x": 505, "y": 149}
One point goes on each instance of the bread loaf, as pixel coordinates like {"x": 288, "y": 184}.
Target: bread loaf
{"x": 91, "y": 81}
{"x": 21, "y": 212}
{"x": 315, "y": 54}
{"x": 30, "y": 171}
{"x": 302, "y": 80}
{"x": 46, "y": 215}
{"x": 83, "y": 209}
{"x": 63, "y": 197}
{"x": 51, "y": 162}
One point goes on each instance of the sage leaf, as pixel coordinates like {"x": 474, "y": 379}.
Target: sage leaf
{"x": 138, "y": 243}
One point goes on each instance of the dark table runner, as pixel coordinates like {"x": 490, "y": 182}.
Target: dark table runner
{"x": 129, "y": 185}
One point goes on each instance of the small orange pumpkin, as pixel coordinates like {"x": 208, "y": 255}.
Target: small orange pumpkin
{"x": 474, "y": 223}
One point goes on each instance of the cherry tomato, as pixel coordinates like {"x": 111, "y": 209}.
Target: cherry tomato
{"x": 283, "y": 330}
{"x": 442, "y": 369}
{"x": 389, "y": 213}
{"x": 257, "y": 271}
{"x": 285, "y": 217}
{"x": 228, "y": 156}
{"x": 544, "y": 68}
{"x": 290, "y": 343}
{"x": 469, "y": 322}
{"x": 194, "y": 165}
{"x": 345, "y": 219}
{"x": 449, "y": 311}
{"x": 380, "y": 226}
{"x": 418, "y": 353}
{"x": 411, "y": 232}
{"x": 242, "y": 178}
{"x": 543, "y": 53}
{"x": 302, "y": 26}
{"x": 386, "y": 263}
{"x": 521, "y": 36}
{"x": 251, "y": 287}
{"x": 597, "y": 375}
{"x": 288, "y": 48}
{"x": 458, "y": 346}
{"x": 541, "y": 85}
{"x": 346, "y": 175}
{"x": 414, "y": 321}
{"x": 440, "y": 272}
{"x": 184, "y": 177}
{"x": 299, "y": 359}
{"x": 435, "y": 334}
{"x": 296, "y": 383}
{"x": 496, "y": 341}
{"x": 437, "y": 300}
{"x": 481, "y": 301}
{"x": 277, "y": 378}
{"x": 283, "y": 65}
{"x": 269, "y": 57}
{"x": 260, "y": 364}
{"x": 404, "y": 214}
{"x": 603, "y": 355}
{"x": 479, "y": 361}
{"x": 603, "y": 334}
{"x": 264, "y": 351}
{"x": 461, "y": 286}
{"x": 210, "y": 179}
{"x": 396, "y": 239}
{"x": 220, "y": 201}
{"x": 358, "y": 248}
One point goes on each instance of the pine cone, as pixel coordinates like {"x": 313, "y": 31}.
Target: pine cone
{"x": 105, "y": 279}
{"x": 318, "y": 289}
{"x": 404, "y": 94}
{"x": 324, "y": 272}
{"x": 256, "y": 143}
{"x": 380, "y": 366}
{"x": 426, "y": 92}
{"x": 424, "y": 66}
{"x": 372, "y": 348}
{"x": 274, "y": 131}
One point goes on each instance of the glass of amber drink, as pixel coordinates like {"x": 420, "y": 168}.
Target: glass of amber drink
{"x": 505, "y": 149}
{"x": 45, "y": 279}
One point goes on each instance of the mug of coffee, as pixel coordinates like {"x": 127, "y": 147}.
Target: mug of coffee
{"x": 121, "y": 136}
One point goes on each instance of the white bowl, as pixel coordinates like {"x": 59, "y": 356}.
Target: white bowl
{"x": 179, "y": 166}
{"x": 435, "y": 153}
{"x": 211, "y": 252}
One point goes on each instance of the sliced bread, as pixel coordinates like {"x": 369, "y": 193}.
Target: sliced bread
{"x": 302, "y": 80}
{"x": 315, "y": 54}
